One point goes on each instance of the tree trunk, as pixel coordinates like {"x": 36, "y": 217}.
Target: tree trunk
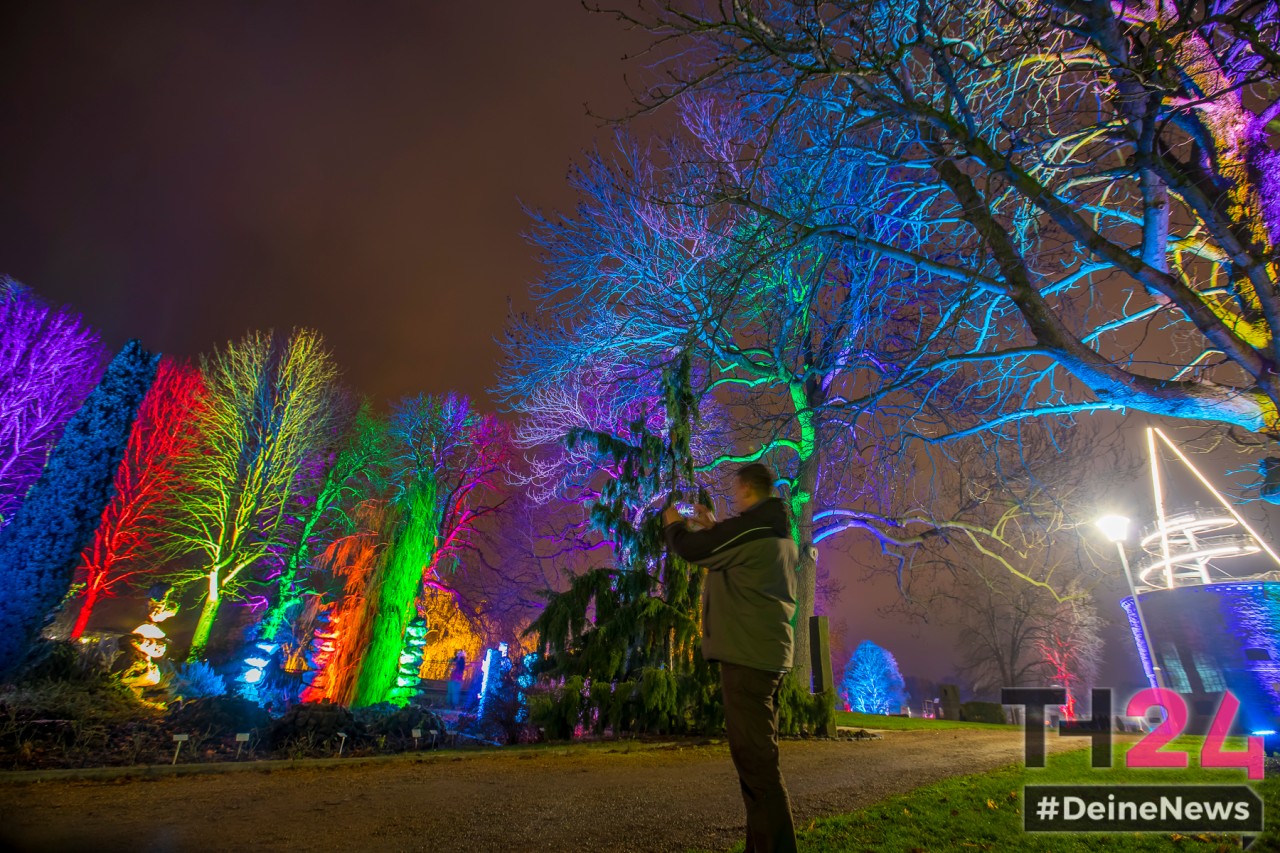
{"x": 204, "y": 625}
{"x": 91, "y": 594}
{"x": 807, "y": 569}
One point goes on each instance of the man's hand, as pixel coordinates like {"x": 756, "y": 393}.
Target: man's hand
{"x": 703, "y": 515}
{"x": 671, "y": 515}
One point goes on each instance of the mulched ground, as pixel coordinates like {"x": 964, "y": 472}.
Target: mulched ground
{"x": 621, "y": 797}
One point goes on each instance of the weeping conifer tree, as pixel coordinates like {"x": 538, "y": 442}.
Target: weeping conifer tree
{"x": 621, "y": 647}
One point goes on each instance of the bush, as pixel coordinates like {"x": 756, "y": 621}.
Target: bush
{"x": 313, "y": 722}
{"x": 196, "y": 681}
{"x": 218, "y": 716}
{"x": 802, "y": 712}
{"x": 982, "y": 712}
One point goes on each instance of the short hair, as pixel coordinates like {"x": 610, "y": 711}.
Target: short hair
{"x": 758, "y": 476}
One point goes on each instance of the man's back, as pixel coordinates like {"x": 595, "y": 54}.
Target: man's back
{"x": 749, "y": 599}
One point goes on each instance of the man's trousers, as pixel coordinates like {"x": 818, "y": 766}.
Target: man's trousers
{"x": 751, "y": 717}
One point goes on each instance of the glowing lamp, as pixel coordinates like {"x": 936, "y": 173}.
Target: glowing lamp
{"x": 253, "y": 676}
{"x": 1114, "y": 527}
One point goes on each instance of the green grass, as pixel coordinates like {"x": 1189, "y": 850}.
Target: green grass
{"x": 983, "y": 812}
{"x": 903, "y": 724}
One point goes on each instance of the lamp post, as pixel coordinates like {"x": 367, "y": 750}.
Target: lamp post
{"x": 1116, "y": 529}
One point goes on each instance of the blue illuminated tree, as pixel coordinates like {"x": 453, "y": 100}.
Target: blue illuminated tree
{"x": 40, "y": 549}
{"x": 1100, "y": 239}
{"x": 872, "y": 683}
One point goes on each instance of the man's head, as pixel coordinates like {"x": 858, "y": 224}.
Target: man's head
{"x": 752, "y": 484}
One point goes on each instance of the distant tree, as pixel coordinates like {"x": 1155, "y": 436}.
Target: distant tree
{"x": 1070, "y": 644}
{"x": 131, "y": 536}
{"x": 268, "y": 405}
{"x": 40, "y": 549}
{"x": 872, "y": 683}
{"x": 49, "y": 362}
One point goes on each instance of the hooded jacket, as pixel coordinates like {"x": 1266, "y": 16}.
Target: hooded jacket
{"x": 749, "y": 598}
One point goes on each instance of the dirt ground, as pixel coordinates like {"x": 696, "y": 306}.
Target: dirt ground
{"x": 617, "y": 797}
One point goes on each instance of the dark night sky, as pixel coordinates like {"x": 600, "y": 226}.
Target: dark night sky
{"x": 186, "y": 172}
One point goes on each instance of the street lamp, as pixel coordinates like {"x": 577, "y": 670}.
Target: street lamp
{"x": 1116, "y": 529}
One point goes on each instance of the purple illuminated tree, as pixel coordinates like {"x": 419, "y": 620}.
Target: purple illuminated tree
{"x": 49, "y": 361}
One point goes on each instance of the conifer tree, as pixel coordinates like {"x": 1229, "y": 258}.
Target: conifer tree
{"x": 622, "y": 645}
{"x": 40, "y": 549}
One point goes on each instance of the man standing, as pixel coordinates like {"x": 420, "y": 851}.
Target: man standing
{"x": 748, "y": 602}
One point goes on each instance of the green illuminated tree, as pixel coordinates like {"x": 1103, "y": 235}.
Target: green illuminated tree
{"x": 268, "y": 404}
{"x": 337, "y": 476}
{"x": 445, "y": 465}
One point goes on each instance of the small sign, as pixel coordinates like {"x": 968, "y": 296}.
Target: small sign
{"x": 417, "y": 733}
{"x": 181, "y": 738}
{"x": 242, "y": 737}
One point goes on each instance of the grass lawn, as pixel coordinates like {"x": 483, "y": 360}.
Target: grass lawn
{"x": 903, "y": 724}
{"x": 983, "y": 812}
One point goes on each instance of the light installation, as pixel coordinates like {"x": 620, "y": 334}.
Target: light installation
{"x": 1200, "y": 628}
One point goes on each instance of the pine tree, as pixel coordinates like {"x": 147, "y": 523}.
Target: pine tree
{"x": 40, "y": 549}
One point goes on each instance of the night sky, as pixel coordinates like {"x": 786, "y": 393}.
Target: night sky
{"x": 187, "y": 172}
{"x": 184, "y": 173}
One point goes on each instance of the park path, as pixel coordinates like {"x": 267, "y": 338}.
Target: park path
{"x": 621, "y": 797}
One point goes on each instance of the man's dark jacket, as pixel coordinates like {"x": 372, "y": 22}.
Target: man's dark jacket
{"x": 749, "y": 599}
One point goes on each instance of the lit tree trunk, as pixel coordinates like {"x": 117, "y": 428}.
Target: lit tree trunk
{"x": 91, "y": 593}
{"x": 208, "y": 613}
{"x": 397, "y": 598}
{"x": 801, "y": 504}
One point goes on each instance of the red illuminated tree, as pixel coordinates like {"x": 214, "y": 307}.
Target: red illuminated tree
{"x": 130, "y": 536}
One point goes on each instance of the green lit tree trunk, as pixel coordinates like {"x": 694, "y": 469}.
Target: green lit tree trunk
{"x": 397, "y": 598}
{"x": 801, "y": 505}
{"x": 208, "y": 613}
{"x": 286, "y": 595}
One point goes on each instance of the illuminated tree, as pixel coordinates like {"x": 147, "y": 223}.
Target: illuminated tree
{"x": 335, "y": 478}
{"x": 49, "y": 362}
{"x": 1070, "y": 645}
{"x": 130, "y": 536}
{"x": 1089, "y": 186}
{"x": 621, "y": 643}
{"x": 268, "y": 403}
{"x": 872, "y": 683}
{"x": 39, "y": 549}
{"x": 446, "y": 461}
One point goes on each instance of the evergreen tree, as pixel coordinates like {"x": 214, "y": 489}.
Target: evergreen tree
{"x": 622, "y": 645}
{"x": 40, "y": 549}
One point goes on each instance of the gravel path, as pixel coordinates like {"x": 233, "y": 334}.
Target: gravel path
{"x": 617, "y": 797}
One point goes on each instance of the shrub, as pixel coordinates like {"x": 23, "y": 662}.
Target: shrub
{"x": 217, "y": 716}
{"x": 196, "y": 681}
{"x": 982, "y": 712}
